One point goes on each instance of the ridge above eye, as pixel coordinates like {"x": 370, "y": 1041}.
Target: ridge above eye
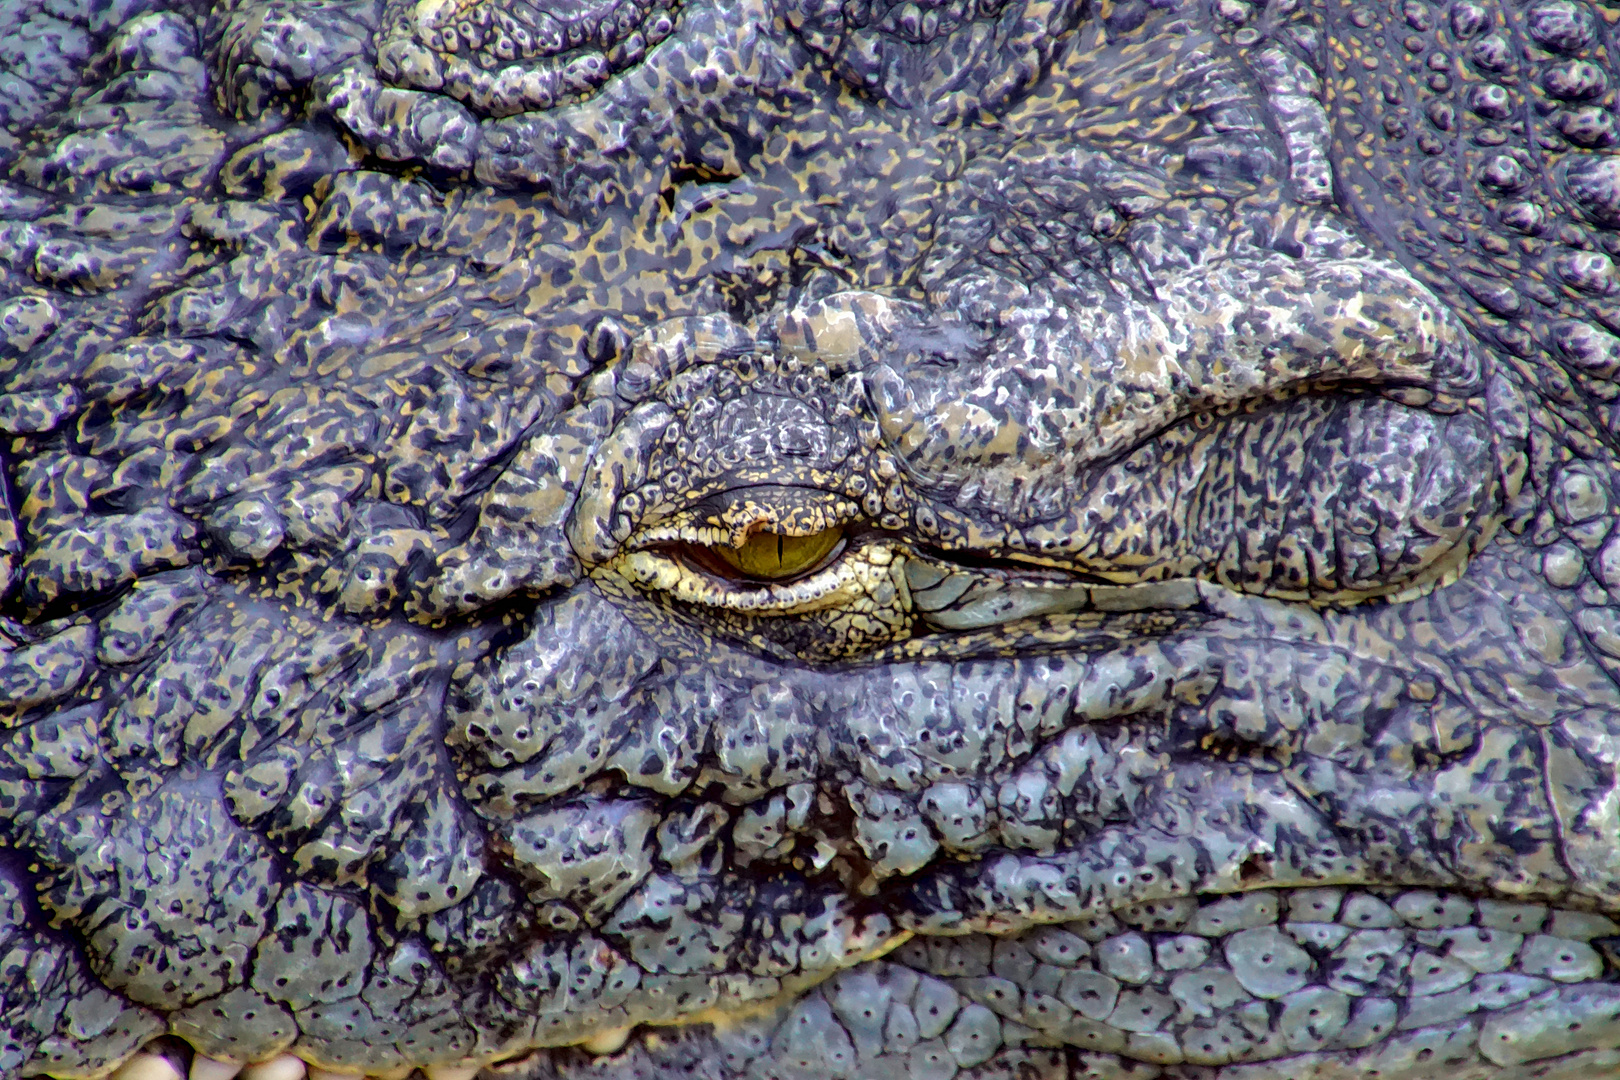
{"x": 774, "y": 556}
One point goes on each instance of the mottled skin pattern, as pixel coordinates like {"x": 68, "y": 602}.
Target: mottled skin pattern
{"x": 756, "y": 538}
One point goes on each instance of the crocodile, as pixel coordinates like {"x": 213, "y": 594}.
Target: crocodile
{"x": 792, "y": 539}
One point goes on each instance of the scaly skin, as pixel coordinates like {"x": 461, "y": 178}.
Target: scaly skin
{"x": 752, "y": 538}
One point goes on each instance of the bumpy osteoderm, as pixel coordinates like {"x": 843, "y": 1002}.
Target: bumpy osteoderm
{"x": 782, "y": 539}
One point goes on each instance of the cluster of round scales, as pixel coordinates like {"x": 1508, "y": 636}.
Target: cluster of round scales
{"x": 774, "y": 538}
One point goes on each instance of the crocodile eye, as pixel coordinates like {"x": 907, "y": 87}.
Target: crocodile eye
{"x": 769, "y": 556}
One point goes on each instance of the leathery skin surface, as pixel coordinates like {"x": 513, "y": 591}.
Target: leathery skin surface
{"x": 755, "y": 539}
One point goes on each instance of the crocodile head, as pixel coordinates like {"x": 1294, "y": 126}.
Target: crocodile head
{"x": 782, "y": 540}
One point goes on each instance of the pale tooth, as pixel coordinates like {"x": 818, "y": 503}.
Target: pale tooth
{"x": 285, "y": 1067}
{"x": 148, "y": 1067}
{"x": 332, "y": 1074}
{"x": 450, "y": 1072}
{"x": 608, "y": 1040}
{"x": 207, "y": 1068}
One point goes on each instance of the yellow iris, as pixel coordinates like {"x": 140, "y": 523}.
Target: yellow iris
{"x": 773, "y": 556}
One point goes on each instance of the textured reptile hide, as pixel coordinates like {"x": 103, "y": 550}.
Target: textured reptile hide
{"x": 770, "y": 540}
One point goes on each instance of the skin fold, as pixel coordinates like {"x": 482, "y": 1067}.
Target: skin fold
{"x": 763, "y": 538}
